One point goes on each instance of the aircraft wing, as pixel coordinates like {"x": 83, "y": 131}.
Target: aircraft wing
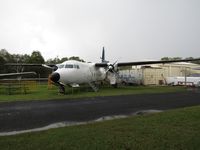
{"x": 16, "y": 74}
{"x": 49, "y": 66}
{"x": 21, "y": 64}
{"x": 145, "y": 62}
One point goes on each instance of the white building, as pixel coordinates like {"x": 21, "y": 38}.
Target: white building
{"x": 158, "y": 73}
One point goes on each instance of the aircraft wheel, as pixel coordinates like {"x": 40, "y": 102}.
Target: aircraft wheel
{"x": 62, "y": 89}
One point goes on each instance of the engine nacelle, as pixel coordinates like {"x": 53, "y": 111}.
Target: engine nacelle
{"x": 112, "y": 67}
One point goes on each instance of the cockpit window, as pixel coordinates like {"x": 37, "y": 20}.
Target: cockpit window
{"x": 60, "y": 66}
{"x": 69, "y": 66}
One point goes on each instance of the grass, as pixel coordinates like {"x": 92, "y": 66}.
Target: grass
{"x": 176, "y": 129}
{"x": 41, "y": 92}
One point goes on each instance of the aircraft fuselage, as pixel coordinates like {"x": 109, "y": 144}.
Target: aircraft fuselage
{"x": 75, "y": 72}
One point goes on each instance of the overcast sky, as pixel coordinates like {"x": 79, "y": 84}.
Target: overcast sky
{"x": 130, "y": 30}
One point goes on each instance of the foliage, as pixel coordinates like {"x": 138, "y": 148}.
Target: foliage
{"x": 2, "y": 62}
{"x": 76, "y": 58}
{"x": 7, "y": 56}
{"x": 197, "y": 62}
{"x": 58, "y": 61}
{"x": 179, "y": 58}
{"x": 170, "y": 58}
{"x": 35, "y": 58}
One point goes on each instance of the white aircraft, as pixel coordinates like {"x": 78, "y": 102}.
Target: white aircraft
{"x": 74, "y": 72}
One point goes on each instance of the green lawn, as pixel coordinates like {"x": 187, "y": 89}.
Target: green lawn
{"x": 41, "y": 92}
{"x": 177, "y": 129}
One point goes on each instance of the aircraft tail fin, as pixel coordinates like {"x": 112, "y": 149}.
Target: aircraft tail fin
{"x": 103, "y": 60}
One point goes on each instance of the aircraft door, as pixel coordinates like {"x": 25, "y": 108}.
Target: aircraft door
{"x": 92, "y": 74}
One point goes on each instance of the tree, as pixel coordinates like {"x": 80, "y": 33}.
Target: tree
{"x": 179, "y": 58}
{"x": 36, "y": 57}
{"x": 58, "y": 61}
{"x": 7, "y": 56}
{"x": 196, "y": 62}
{"x": 76, "y": 58}
{"x": 176, "y": 58}
{"x": 53, "y": 61}
{"x": 63, "y": 59}
{"x": 189, "y": 58}
{"x": 170, "y": 58}
{"x": 2, "y": 60}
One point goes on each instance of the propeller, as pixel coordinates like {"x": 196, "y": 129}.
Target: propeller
{"x": 112, "y": 73}
{"x": 112, "y": 67}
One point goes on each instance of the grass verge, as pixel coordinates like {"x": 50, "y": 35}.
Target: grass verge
{"x": 43, "y": 93}
{"x": 176, "y": 129}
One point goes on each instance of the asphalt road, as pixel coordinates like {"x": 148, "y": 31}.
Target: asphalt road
{"x": 17, "y": 116}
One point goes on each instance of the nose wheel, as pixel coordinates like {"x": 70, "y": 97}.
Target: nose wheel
{"x": 61, "y": 89}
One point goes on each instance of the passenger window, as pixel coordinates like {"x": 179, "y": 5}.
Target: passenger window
{"x": 60, "y": 66}
{"x": 68, "y": 66}
{"x": 76, "y": 66}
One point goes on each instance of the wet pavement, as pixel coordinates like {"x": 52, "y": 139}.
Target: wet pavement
{"x": 18, "y": 116}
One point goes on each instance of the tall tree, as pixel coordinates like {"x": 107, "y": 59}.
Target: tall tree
{"x": 6, "y": 55}
{"x": 36, "y": 57}
{"x": 2, "y": 61}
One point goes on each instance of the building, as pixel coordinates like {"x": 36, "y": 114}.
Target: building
{"x": 156, "y": 74}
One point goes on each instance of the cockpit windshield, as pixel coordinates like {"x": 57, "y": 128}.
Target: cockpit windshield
{"x": 68, "y": 66}
{"x": 72, "y": 66}
{"x": 60, "y": 66}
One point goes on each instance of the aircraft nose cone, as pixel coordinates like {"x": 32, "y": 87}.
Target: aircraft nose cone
{"x": 55, "y": 77}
